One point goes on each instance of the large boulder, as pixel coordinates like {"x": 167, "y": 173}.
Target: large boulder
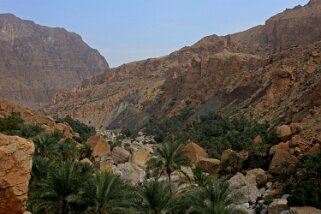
{"x": 194, "y": 152}
{"x": 15, "y": 167}
{"x": 120, "y": 155}
{"x": 140, "y": 157}
{"x": 281, "y": 146}
{"x": 129, "y": 172}
{"x": 277, "y": 206}
{"x": 247, "y": 187}
{"x": 258, "y": 174}
{"x": 100, "y": 148}
{"x": 284, "y": 132}
{"x": 282, "y": 162}
{"x": 305, "y": 210}
{"x": 209, "y": 164}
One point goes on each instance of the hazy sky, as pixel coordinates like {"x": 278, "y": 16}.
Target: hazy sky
{"x": 129, "y": 30}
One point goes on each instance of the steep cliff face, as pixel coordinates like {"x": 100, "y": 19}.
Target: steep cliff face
{"x": 15, "y": 167}
{"x": 36, "y": 61}
{"x": 259, "y": 72}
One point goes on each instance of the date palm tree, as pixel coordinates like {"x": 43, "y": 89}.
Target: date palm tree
{"x": 169, "y": 157}
{"x": 213, "y": 197}
{"x": 105, "y": 194}
{"x": 155, "y": 198}
{"x": 51, "y": 194}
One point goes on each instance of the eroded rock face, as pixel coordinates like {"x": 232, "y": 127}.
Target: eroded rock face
{"x": 15, "y": 167}
{"x": 37, "y": 61}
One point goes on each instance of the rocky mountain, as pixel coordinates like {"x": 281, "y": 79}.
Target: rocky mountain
{"x": 271, "y": 72}
{"x": 36, "y": 61}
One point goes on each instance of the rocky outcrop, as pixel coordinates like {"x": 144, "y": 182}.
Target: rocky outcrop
{"x": 37, "y": 61}
{"x": 15, "y": 167}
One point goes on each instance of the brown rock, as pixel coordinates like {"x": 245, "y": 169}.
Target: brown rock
{"x": 296, "y": 128}
{"x": 281, "y": 146}
{"x": 282, "y": 162}
{"x": 259, "y": 174}
{"x": 15, "y": 167}
{"x": 140, "y": 157}
{"x": 100, "y": 148}
{"x": 120, "y": 155}
{"x": 278, "y": 205}
{"x": 297, "y": 151}
{"x": 315, "y": 149}
{"x": 209, "y": 164}
{"x": 65, "y": 129}
{"x": 284, "y": 132}
{"x": 296, "y": 140}
{"x": 194, "y": 152}
{"x": 106, "y": 167}
{"x": 258, "y": 139}
{"x": 305, "y": 210}
{"x": 226, "y": 154}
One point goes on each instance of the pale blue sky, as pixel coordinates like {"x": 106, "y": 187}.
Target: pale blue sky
{"x": 129, "y": 30}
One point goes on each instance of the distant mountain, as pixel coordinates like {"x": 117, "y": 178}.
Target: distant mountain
{"x": 36, "y": 61}
{"x": 271, "y": 72}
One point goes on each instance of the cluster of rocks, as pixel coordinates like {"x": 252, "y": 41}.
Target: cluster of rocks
{"x": 127, "y": 160}
{"x": 291, "y": 147}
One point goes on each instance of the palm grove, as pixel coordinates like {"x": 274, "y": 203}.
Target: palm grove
{"x": 61, "y": 184}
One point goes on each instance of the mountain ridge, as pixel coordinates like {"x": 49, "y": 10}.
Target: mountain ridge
{"x": 38, "y": 61}
{"x": 216, "y": 73}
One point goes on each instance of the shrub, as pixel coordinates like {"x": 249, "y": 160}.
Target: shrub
{"x": 84, "y": 131}
{"x": 14, "y": 125}
{"x": 307, "y": 193}
{"x": 214, "y": 131}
